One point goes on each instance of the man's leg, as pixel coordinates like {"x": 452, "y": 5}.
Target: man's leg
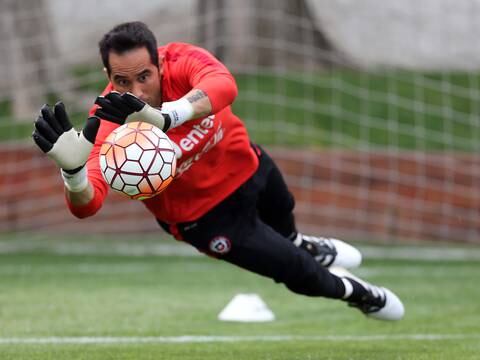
{"x": 233, "y": 232}
{"x": 275, "y": 204}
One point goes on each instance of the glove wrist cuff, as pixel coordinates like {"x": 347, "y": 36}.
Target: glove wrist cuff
{"x": 179, "y": 111}
{"x": 75, "y": 182}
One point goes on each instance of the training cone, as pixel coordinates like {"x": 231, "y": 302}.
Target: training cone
{"x": 246, "y": 308}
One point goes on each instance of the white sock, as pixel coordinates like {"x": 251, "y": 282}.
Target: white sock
{"x": 298, "y": 240}
{"x": 348, "y": 288}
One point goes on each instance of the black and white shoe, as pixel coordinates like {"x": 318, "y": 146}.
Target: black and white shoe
{"x": 330, "y": 252}
{"x": 381, "y": 303}
{"x": 378, "y": 302}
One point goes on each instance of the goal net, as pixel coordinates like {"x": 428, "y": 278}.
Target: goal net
{"x": 370, "y": 108}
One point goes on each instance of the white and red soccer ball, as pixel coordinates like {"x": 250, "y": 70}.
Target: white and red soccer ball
{"x": 138, "y": 160}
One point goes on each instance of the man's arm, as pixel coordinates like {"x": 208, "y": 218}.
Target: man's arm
{"x": 200, "y": 102}
{"x": 193, "y": 105}
{"x": 120, "y": 108}
{"x": 206, "y": 73}
{"x": 82, "y": 197}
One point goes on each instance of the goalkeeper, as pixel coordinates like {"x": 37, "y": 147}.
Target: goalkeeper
{"x": 229, "y": 199}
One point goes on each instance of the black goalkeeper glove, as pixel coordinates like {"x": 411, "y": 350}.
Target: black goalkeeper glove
{"x": 56, "y": 137}
{"x": 121, "y": 108}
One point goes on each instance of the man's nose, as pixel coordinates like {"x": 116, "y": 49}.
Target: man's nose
{"x": 137, "y": 91}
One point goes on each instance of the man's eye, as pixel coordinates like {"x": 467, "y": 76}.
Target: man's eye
{"x": 122, "y": 82}
{"x": 142, "y": 78}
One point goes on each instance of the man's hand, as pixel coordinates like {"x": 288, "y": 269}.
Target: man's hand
{"x": 121, "y": 108}
{"x": 56, "y": 137}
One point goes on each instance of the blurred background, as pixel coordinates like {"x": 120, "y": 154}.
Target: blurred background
{"x": 370, "y": 107}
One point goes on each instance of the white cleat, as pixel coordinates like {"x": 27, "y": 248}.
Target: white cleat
{"x": 379, "y": 303}
{"x": 330, "y": 252}
{"x": 382, "y": 304}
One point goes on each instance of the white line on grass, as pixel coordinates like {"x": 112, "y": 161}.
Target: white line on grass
{"x": 211, "y": 339}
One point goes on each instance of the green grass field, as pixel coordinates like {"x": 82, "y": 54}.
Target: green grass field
{"x": 57, "y": 302}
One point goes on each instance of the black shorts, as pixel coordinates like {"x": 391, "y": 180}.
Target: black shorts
{"x": 251, "y": 229}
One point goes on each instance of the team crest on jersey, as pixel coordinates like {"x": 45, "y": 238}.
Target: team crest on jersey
{"x": 220, "y": 245}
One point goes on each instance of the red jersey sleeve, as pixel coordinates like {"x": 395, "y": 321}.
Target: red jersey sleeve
{"x": 100, "y": 187}
{"x": 203, "y": 71}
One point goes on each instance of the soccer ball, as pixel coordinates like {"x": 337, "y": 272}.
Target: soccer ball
{"x": 137, "y": 159}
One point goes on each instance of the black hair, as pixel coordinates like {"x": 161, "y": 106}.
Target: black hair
{"x": 125, "y": 37}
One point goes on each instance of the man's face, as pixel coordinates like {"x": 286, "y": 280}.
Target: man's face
{"x": 134, "y": 72}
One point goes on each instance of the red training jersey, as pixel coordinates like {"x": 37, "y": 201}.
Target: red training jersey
{"x": 216, "y": 156}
